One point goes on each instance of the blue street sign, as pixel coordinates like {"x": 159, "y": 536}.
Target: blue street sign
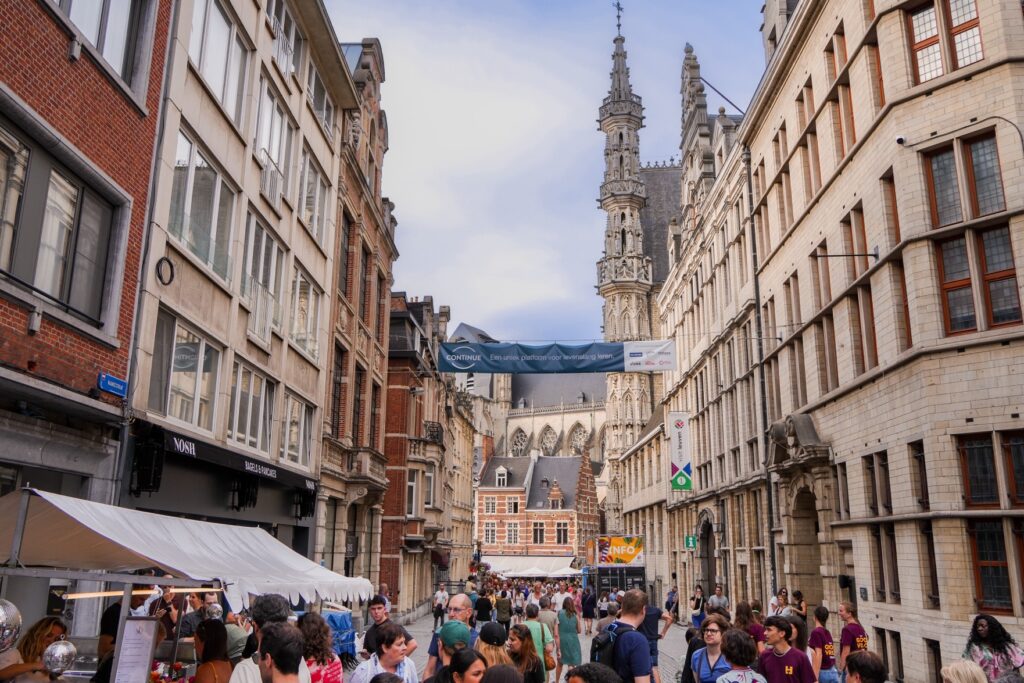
{"x": 112, "y": 385}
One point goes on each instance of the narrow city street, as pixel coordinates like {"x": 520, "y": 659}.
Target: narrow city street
{"x": 672, "y": 648}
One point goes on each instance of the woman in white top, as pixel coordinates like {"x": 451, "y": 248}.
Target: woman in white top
{"x": 778, "y": 606}
{"x": 23, "y": 664}
{"x": 389, "y": 657}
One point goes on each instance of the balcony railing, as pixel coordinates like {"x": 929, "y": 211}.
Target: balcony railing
{"x": 283, "y": 49}
{"x": 261, "y": 309}
{"x": 271, "y": 180}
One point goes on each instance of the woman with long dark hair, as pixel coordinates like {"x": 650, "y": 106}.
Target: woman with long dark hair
{"x": 745, "y": 621}
{"x": 992, "y": 648}
{"x": 324, "y": 665}
{"x": 524, "y": 654}
{"x": 211, "y": 641}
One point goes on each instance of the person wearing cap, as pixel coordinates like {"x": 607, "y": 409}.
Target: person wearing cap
{"x": 452, "y": 637}
{"x": 459, "y": 610}
{"x": 389, "y": 657}
{"x": 491, "y": 644}
{"x": 236, "y": 642}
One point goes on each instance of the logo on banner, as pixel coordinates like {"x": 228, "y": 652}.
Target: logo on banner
{"x": 463, "y": 357}
{"x": 679, "y": 451}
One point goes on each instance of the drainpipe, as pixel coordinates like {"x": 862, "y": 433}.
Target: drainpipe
{"x": 759, "y": 324}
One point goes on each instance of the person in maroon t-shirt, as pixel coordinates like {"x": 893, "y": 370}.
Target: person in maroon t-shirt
{"x": 823, "y": 650}
{"x": 780, "y": 663}
{"x": 853, "y": 637}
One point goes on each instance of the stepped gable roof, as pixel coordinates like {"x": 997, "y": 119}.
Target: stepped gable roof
{"x": 563, "y": 469}
{"x": 542, "y": 391}
{"x": 518, "y": 469}
{"x": 662, "y": 183}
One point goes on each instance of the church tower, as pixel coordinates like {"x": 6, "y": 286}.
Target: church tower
{"x": 623, "y": 273}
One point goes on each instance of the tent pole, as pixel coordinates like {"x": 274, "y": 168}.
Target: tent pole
{"x": 19, "y": 527}
{"x": 126, "y": 600}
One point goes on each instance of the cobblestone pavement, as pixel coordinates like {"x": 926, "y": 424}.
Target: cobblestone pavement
{"x": 672, "y": 648}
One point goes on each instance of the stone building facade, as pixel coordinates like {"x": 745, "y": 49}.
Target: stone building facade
{"x": 457, "y": 487}
{"x": 882, "y": 232}
{"x": 234, "y": 348}
{"x": 353, "y": 476}
{"x": 75, "y": 200}
{"x": 416, "y": 544}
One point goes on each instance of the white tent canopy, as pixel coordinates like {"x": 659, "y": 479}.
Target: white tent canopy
{"x": 71, "y": 533}
{"x": 530, "y": 565}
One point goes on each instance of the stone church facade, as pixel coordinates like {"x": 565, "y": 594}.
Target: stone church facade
{"x": 854, "y": 237}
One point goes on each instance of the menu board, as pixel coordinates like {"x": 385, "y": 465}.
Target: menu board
{"x": 135, "y": 650}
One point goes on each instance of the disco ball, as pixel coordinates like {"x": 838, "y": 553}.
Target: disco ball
{"x": 10, "y": 625}
{"x": 214, "y": 611}
{"x": 59, "y": 656}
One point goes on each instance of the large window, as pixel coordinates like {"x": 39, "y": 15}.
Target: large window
{"x": 202, "y": 204}
{"x": 944, "y": 36}
{"x": 343, "y": 249}
{"x": 252, "y": 408}
{"x": 490, "y": 533}
{"x": 297, "y": 438}
{"x": 112, "y": 26}
{"x": 55, "y": 231}
{"x": 1013, "y": 450}
{"x": 1002, "y": 303}
{"x": 991, "y": 569}
{"x": 305, "y": 313}
{"x": 366, "y": 282}
{"x": 979, "y": 159}
{"x": 562, "y": 533}
{"x": 217, "y": 50}
{"x": 940, "y": 169}
{"x": 183, "y": 378}
{"x": 955, "y": 279}
{"x": 538, "y": 533}
{"x": 983, "y": 177}
{"x": 313, "y": 204}
{"x": 978, "y": 467}
{"x": 316, "y": 91}
{"x": 357, "y": 406}
{"x": 275, "y": 136}
{"x": 512, "y": 533}
{"x": 428, "y": 486}
{"x": 490, "y": 505}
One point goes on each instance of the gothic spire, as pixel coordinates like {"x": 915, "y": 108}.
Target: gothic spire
{"x": 621, "y": 90}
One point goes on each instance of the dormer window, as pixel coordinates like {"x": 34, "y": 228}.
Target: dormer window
{"x": 501, "y": 477}
{"x": 556, "y": 503}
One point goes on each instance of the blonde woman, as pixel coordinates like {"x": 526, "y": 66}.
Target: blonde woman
{"x": 491, "y": 644}
{"x": 23, "y": 664}
{"x": 963, "y": 671}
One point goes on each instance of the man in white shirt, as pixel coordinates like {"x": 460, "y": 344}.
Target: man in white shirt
{"x": 440, "y": 605}
{"x": 265, "y": 611}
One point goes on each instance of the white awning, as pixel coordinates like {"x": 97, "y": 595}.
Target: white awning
{"x": 530, "y": 565}
{"x": 70, "y": 533}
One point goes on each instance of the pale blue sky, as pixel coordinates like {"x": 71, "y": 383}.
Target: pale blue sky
{"x": 495, "y": 158}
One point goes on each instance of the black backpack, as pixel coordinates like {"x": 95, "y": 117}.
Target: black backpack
{"x": 602, "y": 647}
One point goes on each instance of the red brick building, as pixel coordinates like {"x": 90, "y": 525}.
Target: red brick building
{"x": 80, "y": 98}
{"x": 414, "y": 546}
{"x": 536, "y": 511}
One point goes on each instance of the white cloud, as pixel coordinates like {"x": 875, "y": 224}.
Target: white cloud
{"x": 495, "y": 158}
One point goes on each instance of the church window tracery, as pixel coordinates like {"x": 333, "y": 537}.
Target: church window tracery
{"x": 518, "y": 443}
{"x": 548, "y": 440}
{"x": 577, "y": 439}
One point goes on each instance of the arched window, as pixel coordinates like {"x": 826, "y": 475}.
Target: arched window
{"x": 578, "y": 439}
{"x": 518, "y": 443}
{"x": 501, "y": 477}
{"x": 548, "y": 440}
{"x": 622, "y": 241}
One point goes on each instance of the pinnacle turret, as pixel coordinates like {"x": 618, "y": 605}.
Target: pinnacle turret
{"x": 621, "y": 90}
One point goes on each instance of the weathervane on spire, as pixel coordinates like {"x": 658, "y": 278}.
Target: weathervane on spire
{"x": 618, "y": 16}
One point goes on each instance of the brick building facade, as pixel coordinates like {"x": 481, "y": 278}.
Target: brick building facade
{"x": 536, "y": 511}
{"x": 79, "y": 111}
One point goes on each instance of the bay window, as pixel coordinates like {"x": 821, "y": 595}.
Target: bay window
{"x": 316, "y": 92}
{"x": 297, "y": 438}
{"x": 305, "y": 312}
{"x": 275, "y": 135}
{"x": 262, "y": 277}
{"x": 313, "y": 204}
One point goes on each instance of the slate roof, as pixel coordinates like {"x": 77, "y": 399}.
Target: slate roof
{"x": 552, "y": 390}
{"x": 564, "y": 469}
{"x": 663, "y": 187}
{"x": 518, "y": 469}
{"x": 469, "y": 333}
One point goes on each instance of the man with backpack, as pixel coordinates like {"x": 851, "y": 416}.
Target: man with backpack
{"x": 621, "y": 645}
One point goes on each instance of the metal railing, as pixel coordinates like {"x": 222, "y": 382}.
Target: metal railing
{"x": 261, "y": 307}
{"x": 271, "y": 179}
{"x": 283, "y": 49}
